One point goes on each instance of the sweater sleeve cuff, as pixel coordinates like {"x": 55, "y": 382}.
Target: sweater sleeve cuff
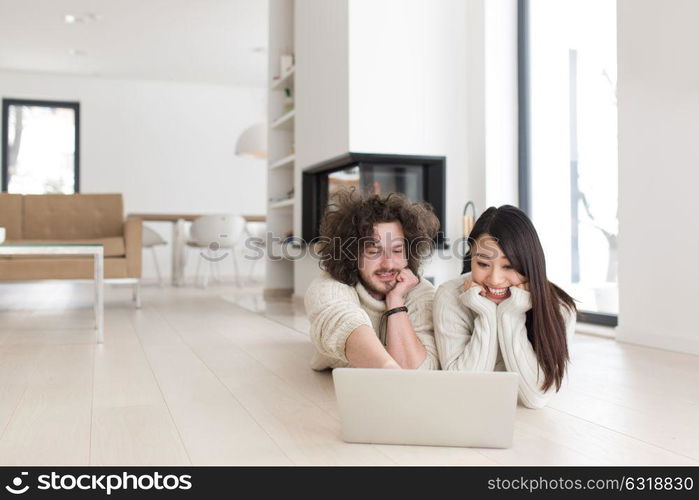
{"x": 520, "y": 301}
{"x": 472, "y": 299}
{"x": 431, "y": 362}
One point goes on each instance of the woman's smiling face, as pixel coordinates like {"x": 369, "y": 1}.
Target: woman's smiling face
{"x": 491, "y": 269}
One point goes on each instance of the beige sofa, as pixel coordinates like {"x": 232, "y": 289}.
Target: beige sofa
{"x": 75, "y": 218}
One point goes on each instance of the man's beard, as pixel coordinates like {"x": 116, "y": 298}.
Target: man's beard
{"x": 385, "y": 287}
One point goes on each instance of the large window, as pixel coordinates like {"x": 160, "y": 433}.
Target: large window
{"x": 568, "y": 155}
{"x": 40, "y": 146}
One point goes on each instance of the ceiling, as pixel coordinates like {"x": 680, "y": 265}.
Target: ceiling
{"x": 203, "y": 41}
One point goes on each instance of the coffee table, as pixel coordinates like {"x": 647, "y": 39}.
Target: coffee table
{"x": 96, "y": 250}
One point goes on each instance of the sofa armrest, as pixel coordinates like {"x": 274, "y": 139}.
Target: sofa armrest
{"x": 133, "y": 236}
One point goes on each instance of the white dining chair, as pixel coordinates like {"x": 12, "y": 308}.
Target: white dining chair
{"x": 216, "y": 237}
{"x": 257, "y": 232}
{"x": 150, "y": 240}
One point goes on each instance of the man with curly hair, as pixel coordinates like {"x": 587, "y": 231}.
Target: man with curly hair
{"x": 370, "y": 308}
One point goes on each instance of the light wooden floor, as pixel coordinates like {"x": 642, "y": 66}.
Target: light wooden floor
{"x": 194, "y": 378}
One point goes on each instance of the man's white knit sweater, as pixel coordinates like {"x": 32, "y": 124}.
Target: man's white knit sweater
{"x": 335, "y": 310}
{"x": 475, "y": 334}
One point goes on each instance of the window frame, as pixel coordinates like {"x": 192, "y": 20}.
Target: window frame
{"x": 6, "y": 103}
{"x": 524, "y": 141}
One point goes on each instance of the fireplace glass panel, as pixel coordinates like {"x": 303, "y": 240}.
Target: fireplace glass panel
{"x": 380, "y": 179}
{"x": 418, "y": 178}
{"x": 341, "y": 179}
{"x": 385, "y": 179}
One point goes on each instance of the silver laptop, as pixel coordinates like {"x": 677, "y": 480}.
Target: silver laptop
{"x": 439, "y": 408}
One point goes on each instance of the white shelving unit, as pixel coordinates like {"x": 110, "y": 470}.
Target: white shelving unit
{"x": 279, "y": 276}
{"x": 285, "y": 122}
{"x": 282, "y": 204}
{"x": 286, "y": 78}
{"x": 287, "y": 161}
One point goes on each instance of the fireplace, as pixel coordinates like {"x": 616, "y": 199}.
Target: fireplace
{"x": 419, "y": 178}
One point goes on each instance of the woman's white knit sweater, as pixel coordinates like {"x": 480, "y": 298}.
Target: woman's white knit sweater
{"x": 335, "y": 310}
{"x": 475, "y": 334}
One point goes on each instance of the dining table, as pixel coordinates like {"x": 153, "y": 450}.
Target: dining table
{"x": 179, "y": 242}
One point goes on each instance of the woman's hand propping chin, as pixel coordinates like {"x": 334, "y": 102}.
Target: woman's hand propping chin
{"x": 468, "y": 284}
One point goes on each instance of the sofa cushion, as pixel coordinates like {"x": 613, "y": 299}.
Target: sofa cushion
{"x": 68, "y": 268}
{"x": 11, "y": 215}
{"x": 72, "y": 216}
{"x": 113, "y": 246}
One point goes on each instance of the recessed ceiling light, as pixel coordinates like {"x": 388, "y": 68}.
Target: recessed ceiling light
{"x": 77, "y": 52}
{"x": 87, "y": 17}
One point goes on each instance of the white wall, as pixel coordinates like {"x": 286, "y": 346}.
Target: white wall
{"x": 321, "y": 41}
{"x": 322, "y": 80}
{"x": 407, "y": 93}
{"x": 408, "y": 88}
{"x": 168, "y": 147}
{"x": 658, "y": 173}
{"x": 501, "y": 102}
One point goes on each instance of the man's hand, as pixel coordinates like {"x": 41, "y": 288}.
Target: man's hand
{"x": 405, "y": 281}
{"x": 402, "y": 343}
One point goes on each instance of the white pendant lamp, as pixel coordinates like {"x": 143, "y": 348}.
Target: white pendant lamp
{"x": 253, "y": 141}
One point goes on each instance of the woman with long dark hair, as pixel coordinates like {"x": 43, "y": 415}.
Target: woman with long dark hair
{"x": 502, "y": 313}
